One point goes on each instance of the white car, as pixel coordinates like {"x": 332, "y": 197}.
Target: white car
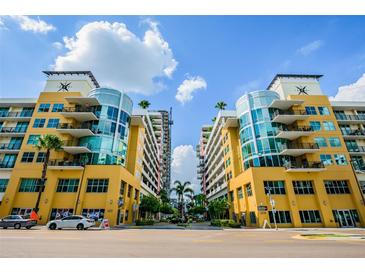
{"x": 76, "y": 221}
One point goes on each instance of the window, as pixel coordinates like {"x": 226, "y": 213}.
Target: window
{"x": 57, "y": 108}
{"x": 315, "y": 125}
{"x": 310, "y": 216}
{"x": 354, "y": 215}
{"x": 320, "y": 141}
{"x": 231, "y": 196}
{"x": 130, "y": 188}
{"x": 323, "y": 110}
{"x": 281, "y": 217}
{"x": 122, "y": 187}
{"x": 136, "y": 194}
{"x": 21, "y": 211}
{"x": 326, "y": 159}
{"x": 97, "y": 185}
{"x": 30, "y": 185}
{"x": 274, "y": 187}
{"x": 39, "y": 123}
{"x": 27, "y": 157}
{"x": 67, "y": 185}
{"x": 362, "y": 186}
{"x": 303, "y": 187}
{"x": 59, "y": 213}
{"x": 93, "y": 213}
{"x": 33, "y": 139}
{"x": 228, "y": 162}
{"x": 229, "y": 175}
{"x": 3, "y": 184}
{"x": 53, "y": 123}
{"x": 337, "y": 187}
{"x": 249, "y": 189}
{"x": 41, "y": 157}
{"x": 252, "y": 217}
{"x": 112, "y": 113}
{"x": 340, "y": 159}
{"x": 239, "y": 193}
{"x": 334, "y": 141}
{"x": 44, "y": 107}
{"x": 329, "y": 126}
{"x": 310, "y": 110}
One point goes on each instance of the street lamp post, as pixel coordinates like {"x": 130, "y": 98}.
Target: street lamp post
{"x": 272, "y": 203}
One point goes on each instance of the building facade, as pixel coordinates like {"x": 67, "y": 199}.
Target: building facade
{"x": 285, "y": 159}
{"x": 99, "y": 171}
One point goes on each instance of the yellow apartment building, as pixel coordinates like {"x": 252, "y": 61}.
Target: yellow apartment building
{"x": 98, "y": 172}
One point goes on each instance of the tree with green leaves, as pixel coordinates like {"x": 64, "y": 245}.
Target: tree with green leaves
{"x": 220, "y": 105}
{"x": 48, "y": 143}
{"x": 214, "y": 119}
{"x": 144, "y": 104}
{"x": 164, "y": 196}
{"x": 182, "y": 190}
{"x": 218, "y": 208}
{"x": 149, "y": 205}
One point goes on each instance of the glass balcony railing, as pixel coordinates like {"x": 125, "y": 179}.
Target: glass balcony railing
{"x": 13, "y": 129}
{"x": 9, "y": 146}
{"x": 78, "y": 109}
{"x": 65, "y": 163}
{"x": 300, "y": 146}
{"x": 288, "y": 112}
{"x": 356, "y": 132}
{"x": 356, "y": 149}
{"x": 297, "y": 128}
{"x": 344, "y": 117}
{"x": 304, "y": 165}
{"x": 16, "y": 114}
{"x": 6, "y": 164}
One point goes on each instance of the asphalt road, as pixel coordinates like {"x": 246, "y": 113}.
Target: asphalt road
{"x": 39, "y": 242}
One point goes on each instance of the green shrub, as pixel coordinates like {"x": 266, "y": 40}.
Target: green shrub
{"x": 233, "y": 224}
{"x": 215, "y": 222}
{"x": 144, "y": 222}
{"x": 225, "y": 223}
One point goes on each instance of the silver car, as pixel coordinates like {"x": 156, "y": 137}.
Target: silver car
{"x": 17, "y": 222}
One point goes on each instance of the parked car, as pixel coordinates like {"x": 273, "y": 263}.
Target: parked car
{"x": 17, "y": 222}
{"x": 76, "y": 221}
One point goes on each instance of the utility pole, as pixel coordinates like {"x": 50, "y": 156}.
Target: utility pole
{"x": 272, "y": 203}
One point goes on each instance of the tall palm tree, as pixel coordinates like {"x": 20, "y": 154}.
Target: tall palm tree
{"x": 220, "y": 105}
{"x": 144, "y": 104}
{"x": 182, "y": 190}
{"x": 46, "y": 142}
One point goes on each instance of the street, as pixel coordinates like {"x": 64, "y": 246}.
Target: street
{"x": 154, "y": 243}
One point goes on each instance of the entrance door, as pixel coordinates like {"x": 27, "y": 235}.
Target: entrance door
{"x": 345, "y": 219}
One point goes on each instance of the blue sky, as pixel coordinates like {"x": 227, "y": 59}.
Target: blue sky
{"x": 233, "y": 54}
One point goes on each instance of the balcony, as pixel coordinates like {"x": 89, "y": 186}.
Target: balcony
{"x": 304, "y": 166}
{"x": 297, "y": 149}
{"x": 72, "y": 147}
{"x": 75, "y": 131}
{"x": 16, "y": 116}
{"x": 9, "y": 148}
{"x": 289, "y": 116}
{"x": 360, "y": 150}
{"x": 65, "y": 164}
{"x": 292, "y": 133}
{"x": 12, "y": 131}
{"x": 80, "y": 114}
{"x": 285, "y": 104}
{"x": 350, "y": 119}
{"x": 353, "y": 134}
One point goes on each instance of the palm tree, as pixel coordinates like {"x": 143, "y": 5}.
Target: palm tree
{"x": 144, "y": 104}
{"x": 182, "y": 190}
{"x": 213, "y": 120}
{"x": 47, "y": 142}
{"x": 220, "y": 105}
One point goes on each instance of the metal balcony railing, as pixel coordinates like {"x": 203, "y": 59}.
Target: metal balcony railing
{"x": 356, "y": 132}
{"x": 78, "y": 109}
{"x": 297, "y": 128}
{"x": 65, "y": 163}
{"x": 356, "y": 149}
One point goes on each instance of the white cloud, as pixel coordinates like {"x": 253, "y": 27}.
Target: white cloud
{"x": 311, "y": 47}
{"x": 183, "y": 166}
{"x": 57, "y": 45}
{"x": 118, "y": 58}
{"x": 29, "y": 24}
{"x": 188, "y": 87}
{"x": 352, "y": 92}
